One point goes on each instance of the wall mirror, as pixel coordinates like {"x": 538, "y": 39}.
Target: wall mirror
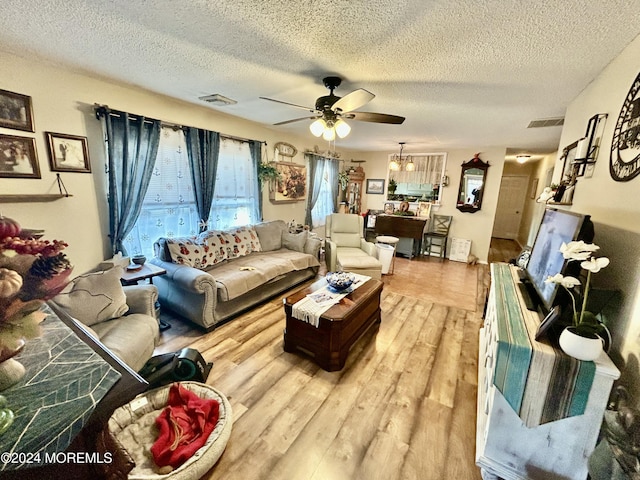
{"x": 420, "y": 181}
{"x": 472, "y": 182}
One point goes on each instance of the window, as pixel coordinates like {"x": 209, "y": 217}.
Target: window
{"x": 325, "y": 204}
{"x": 169, "y": 207}
{"x": 235, "y": 199}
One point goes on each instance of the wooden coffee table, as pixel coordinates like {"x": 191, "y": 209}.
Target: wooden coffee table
{"x": 339, "y": 328}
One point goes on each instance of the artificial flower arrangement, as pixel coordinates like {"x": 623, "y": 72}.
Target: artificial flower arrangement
{"x": 31, "y": 272}
{"x": 585, "y": 323}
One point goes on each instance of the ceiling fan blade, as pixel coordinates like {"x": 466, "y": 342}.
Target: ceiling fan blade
{"x": 374, "y": 117}
{"x": 308, "y": 109}
{"x": 353, "y": 100}
{"x": 297, "y": 120}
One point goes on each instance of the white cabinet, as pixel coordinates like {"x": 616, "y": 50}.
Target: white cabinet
{"x": 539, "y": 411}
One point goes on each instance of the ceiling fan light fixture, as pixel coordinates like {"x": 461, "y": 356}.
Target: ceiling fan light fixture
{"x": 342, "y": 128}
{"x": 318, "y": 127}
{"x": 329, "y": 134}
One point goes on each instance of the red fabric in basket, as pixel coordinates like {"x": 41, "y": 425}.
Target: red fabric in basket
{"x": 184, "y": 424}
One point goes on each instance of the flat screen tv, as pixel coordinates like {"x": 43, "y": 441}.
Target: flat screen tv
{"x": 556, "y": 227}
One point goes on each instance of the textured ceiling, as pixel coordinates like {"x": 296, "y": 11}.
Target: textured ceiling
{"x": 464, "y": 73}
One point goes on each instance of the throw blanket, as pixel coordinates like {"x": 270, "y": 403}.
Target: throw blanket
{"x": 185, "y": 424}
{"x": 311, "y": 307}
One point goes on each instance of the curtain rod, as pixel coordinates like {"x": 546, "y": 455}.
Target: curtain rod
{"x": 102, "y": 109}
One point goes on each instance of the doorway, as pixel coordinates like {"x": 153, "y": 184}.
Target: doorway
{"x": 513, "y": 192}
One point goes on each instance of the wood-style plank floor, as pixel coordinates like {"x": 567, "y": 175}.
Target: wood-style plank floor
{"x": 404, "y": 406}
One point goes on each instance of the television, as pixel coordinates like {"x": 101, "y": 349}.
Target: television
{"x": 557, "y": 226}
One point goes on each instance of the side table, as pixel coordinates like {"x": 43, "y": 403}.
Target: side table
{"x": 146, "y": 272}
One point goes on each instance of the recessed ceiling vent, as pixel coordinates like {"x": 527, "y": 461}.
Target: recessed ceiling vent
{"x": 218, "y": 99}
{"x": 547, "y": 122}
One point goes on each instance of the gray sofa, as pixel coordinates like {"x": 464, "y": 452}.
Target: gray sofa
{"x": 207, "y": 283}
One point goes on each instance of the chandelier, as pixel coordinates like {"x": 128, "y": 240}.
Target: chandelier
{"x": 397, "y": 161}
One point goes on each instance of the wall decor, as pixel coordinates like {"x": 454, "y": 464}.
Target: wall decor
{"x": 624, "y": 161}
{"x": 68, "y": 153}
{"x": 292, "y": 187}
{"x": 534, "y": 188}
{"x": 18, "y": 157}
{"x": 16, "y": 111}
{"x": 472, "y": 183}
{"x": 284, "y": 149}
{"x": 375, "y": 186}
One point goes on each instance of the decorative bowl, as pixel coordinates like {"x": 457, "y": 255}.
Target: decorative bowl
{"x": 339, "y": 281}
{"x": 139, "y": 259}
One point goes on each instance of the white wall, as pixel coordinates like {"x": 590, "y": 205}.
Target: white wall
{"x": 614, "y": 208}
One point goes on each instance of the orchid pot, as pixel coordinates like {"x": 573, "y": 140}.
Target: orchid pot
{"x": 582, "y": 346}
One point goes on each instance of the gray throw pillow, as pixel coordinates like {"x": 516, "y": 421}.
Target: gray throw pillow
{"x": 270, "y": 234}
{"x": 294, "y": 241}
{"x": 94, "y": 297}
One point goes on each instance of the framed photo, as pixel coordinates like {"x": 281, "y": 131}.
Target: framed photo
{"x": 292, "y": 187}
{"x": 534, "y": 188}
{"x": 424, "y": 209}
{"x": 16, "y": 111}
{"x": 68, "y": 153}
{"x": 547, "y": 323}
{"x": 375, "y": 186}
{"x": 389, "y": 208}
{"x": 18, "y": 157}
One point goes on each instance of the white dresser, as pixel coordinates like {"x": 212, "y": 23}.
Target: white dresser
{"x": 539, "y": 411}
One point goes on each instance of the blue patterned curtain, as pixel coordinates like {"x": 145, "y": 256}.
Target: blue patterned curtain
{"x": 203, "y": 150}
{"x": 255, "y": 148}
{"x": 132, "y": 147}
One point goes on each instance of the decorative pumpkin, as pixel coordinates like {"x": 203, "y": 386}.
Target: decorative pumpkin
{"x": 8, "y": 227}
{"x": 10, "y": 282}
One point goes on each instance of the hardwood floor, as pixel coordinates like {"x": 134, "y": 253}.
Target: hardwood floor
{"x": 404, "y": 406}
{"x": 503, "y": 250}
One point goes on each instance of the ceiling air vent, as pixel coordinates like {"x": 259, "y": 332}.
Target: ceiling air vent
{"x": 547, "y": 122}
{"x": 218, "y": 99}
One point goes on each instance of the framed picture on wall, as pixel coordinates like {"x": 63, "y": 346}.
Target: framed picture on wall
{"x": 375, "y": 186}
{"x": 18, "y": 157}
{"x": 68, "y": 153}
{"x": 16, "y": 111}
{"x": 292, "y": 186}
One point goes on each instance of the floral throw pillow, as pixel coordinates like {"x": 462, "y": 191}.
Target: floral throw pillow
{"x": 188, "y": 251}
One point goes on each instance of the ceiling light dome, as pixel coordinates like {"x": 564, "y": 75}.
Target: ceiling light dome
{"x": 342, "y": 128}
{"x": 522, "y": 158}
{"x": 318, "y": 127}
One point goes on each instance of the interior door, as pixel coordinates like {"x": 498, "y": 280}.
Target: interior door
{"x": 513, "y": 192}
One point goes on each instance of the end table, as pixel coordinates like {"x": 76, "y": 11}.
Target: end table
{"x": 146, "y": 272}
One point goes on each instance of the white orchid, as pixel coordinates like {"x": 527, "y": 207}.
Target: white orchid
{"x": 594, "y": 265}
{"x": 566, "y": 282}
{"x": 546, "y": 195}
{"x": 579, "y": 251}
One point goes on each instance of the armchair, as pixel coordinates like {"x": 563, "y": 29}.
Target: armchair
{"x": 346, "y": 249}
{"x": 122, "y": 318}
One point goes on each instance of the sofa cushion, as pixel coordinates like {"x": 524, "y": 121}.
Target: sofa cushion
{"x": 270, "y": 234}
{"x": 294, "y": 241}
{"x": 129, "y": 338}
{"x": 94, "y": 297}
{"x": 243, "y": 274}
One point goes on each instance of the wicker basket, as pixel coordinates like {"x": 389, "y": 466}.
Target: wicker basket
{"x": 133, "y": 425}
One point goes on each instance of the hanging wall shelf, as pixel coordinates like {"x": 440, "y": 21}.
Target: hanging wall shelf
{"x": 37, "y": 197}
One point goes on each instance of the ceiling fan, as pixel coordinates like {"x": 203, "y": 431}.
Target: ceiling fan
{"x": 330, "y": 111}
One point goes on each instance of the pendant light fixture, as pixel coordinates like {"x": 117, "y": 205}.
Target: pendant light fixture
{"x": 396, "y": 161}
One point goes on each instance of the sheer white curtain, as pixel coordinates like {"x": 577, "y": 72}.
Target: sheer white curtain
{"x": 429, "y": 168}
{"x": 235, "y": 199}
{"x": 326, "y": 203}
{"x": 169, "y": 208}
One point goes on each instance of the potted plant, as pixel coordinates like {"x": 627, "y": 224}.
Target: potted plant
{"x": 584, "y": 338}
{"x": 393, "y": 185}
{"x": 267, "y": 173}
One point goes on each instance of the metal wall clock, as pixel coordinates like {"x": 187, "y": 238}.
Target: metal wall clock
{"x": 624, "y": 161}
